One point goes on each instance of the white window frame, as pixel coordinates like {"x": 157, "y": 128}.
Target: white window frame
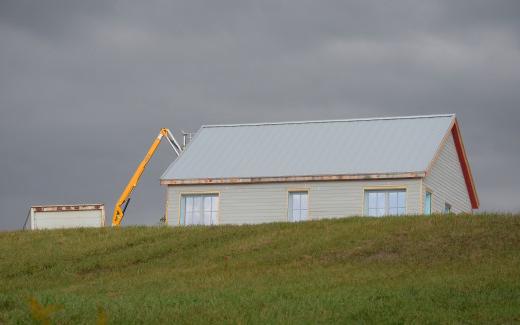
{"x": 291, "y": 215}
{"x": 429, "y": 212}
{"x": 207, "y": 210}
{"x": 385, "y": 206}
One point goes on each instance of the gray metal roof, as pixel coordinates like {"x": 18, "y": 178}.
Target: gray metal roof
{"x": 337, "y": 147}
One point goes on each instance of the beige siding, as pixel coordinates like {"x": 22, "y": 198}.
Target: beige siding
{"x": 260, "y": 203}
{"x": 67, "y": 219}
{"x": 446, "y": 181}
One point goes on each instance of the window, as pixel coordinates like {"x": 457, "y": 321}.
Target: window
{"x": 428, "y": 203}
{"x": 298, "y": 206}
{"x": 199, "y": 209}
{"x": 447, "y": 207}
{"x": 386, "y": 202}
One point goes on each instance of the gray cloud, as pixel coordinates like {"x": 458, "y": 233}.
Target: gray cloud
{"x": 85, "y": 86}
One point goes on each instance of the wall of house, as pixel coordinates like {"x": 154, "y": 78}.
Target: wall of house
{"x": 446, "y": 182}
{"x": 260, "y": 203}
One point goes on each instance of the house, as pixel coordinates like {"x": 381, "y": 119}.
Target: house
{"x": 295, "y": 171}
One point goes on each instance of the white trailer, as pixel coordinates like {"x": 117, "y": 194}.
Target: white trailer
{"x": 66, "y": 216}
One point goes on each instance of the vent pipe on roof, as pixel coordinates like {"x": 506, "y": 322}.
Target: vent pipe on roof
{"x": 186, "y": 138}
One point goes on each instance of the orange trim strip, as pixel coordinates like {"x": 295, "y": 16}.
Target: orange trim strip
{"x": 466, "y": 170}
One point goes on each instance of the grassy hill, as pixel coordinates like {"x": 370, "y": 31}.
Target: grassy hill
{"x": 439, "y": 269}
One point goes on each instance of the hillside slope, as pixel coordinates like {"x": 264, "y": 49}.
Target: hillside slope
{"x": 409, "y": 269}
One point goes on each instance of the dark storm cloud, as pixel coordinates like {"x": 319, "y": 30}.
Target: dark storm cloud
{"x": 85, "y": 86}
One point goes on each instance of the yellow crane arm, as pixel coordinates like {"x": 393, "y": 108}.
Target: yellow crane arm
{"x": 124, "y": 198}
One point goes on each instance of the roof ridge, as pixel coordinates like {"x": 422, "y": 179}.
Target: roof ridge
{"x": 331, "y": 121}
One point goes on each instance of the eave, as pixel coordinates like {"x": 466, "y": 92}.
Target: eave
{"x": 284, "y": 179}
{"x": 464, "y": 163}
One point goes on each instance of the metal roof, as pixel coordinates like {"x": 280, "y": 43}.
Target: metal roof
{"x": 333, "y": 147}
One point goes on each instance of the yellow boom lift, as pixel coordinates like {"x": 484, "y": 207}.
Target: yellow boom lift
{"x": 124, "y": 199}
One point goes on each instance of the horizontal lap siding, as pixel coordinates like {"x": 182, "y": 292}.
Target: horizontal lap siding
{"x": 67, "y": 219}
{"x": 446, "y": 181}
{"x": 341, "y": 199}
{"x": 261, "y": 203}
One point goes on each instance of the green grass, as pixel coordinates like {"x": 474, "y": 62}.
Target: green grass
{"x": 440, "y": 269}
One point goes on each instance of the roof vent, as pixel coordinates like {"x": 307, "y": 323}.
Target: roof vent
{"x": 186, "y": 138}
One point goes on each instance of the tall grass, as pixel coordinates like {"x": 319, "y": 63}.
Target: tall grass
{"x": 440, "y": 269}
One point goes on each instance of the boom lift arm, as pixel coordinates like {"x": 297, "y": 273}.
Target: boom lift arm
{"x": 124, "y": 198}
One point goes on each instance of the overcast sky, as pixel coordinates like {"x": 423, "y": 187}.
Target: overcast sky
{"x": 85, "y": 86}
